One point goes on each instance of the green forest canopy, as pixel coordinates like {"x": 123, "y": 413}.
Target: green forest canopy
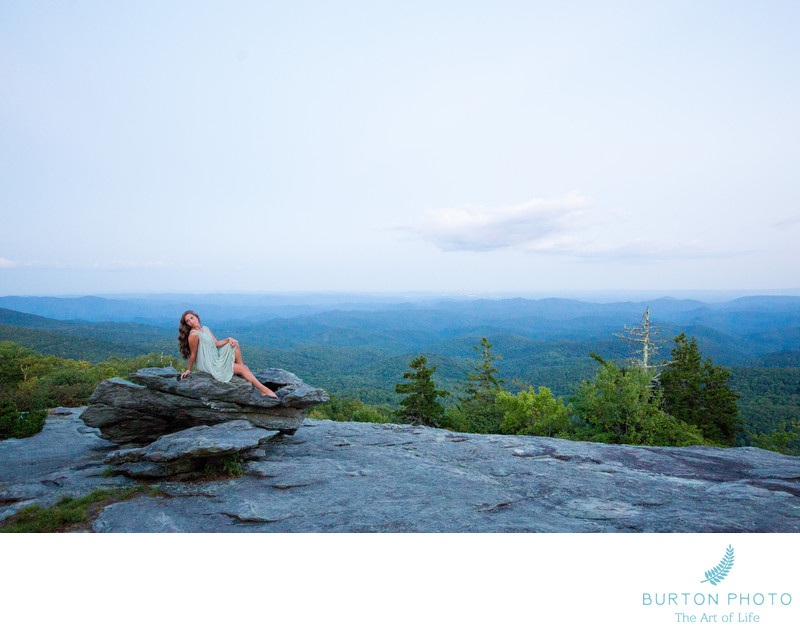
{"x": 360, "y": 356}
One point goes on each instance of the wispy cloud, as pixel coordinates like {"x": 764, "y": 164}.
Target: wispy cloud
{"x": 653, "y": 251}
{"x": 5, "y": 263}
{"x": 571, "y": 226}
{"x": 788, "y": 221}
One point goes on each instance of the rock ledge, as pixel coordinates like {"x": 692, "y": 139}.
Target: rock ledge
{"x": 156, "y": 402}
{"x": 189, "y": 450}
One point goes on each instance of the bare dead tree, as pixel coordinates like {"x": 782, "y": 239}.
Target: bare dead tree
{"x": 645, "y": 335}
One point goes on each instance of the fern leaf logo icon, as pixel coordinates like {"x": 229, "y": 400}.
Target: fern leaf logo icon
{"x": 718, "y": 573}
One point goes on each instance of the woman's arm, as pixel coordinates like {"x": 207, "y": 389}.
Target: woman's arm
{"x": 193, "y": 340}
{"x": 227, "y": 340}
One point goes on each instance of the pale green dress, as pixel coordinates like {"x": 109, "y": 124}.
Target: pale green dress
{"x": 216, "y": 361}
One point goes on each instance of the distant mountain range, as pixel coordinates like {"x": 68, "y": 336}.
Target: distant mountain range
{"x": 164, "y": 310}
{"x": 362, "y": 349}
{"x": 733, "y": 332}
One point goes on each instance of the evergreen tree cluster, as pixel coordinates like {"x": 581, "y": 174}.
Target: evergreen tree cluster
{"x": 698, "y": 392}
{"x": 689, "y": 403}
{"x": 621, "y": 406}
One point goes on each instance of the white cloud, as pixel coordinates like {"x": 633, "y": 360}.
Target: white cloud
{"x": 5, "y": 263}
{"x": 571, "y": 226}
{"x": 480, "y": 228}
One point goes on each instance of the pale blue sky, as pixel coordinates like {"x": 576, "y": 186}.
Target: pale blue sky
{"x": 414, "y": 146}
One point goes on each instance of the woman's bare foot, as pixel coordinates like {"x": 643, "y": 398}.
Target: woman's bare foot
{"x": 266, "y": 392}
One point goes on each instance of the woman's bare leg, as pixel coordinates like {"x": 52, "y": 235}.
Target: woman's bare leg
{"x": 244, "y": 371}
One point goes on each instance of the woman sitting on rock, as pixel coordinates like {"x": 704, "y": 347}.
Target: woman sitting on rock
{"x": 221, "y": 359}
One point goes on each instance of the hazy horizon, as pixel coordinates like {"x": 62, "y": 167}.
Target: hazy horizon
{"x": 287, "y": 297}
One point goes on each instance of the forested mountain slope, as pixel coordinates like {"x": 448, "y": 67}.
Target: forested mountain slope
{"x": 362, "y": 350}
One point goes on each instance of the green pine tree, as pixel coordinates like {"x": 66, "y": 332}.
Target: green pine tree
{"x": 478, "y": 410}
{"x": 420, "y": 407}
{"x": 698, "y": 392}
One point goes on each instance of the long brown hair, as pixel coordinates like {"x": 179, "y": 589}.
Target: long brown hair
{"x": 183, "y": 334}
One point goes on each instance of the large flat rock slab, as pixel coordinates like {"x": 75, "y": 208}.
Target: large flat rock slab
{"x": 358, "y": 477}
{"x": 65, "y": 458}
{"x": 155, "y": 402}
{"x": 354, "y": 477}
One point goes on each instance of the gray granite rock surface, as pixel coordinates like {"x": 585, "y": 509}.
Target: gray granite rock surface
{"x": 155, "y": 402}
{"x": 358, "y": 477}
{"x": 353, "y": 477}
{"x": 64, "y": 459}
{"x": 189, "y": 449}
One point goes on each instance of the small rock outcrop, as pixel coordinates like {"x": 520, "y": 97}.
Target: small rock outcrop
{"x": 189, "y": 450}
{"x": 156, "y": 401}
